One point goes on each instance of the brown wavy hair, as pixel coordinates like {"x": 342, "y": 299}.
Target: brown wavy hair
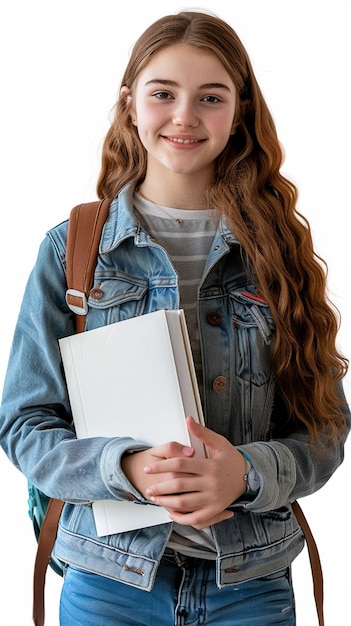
{"x": 260, "y": 205}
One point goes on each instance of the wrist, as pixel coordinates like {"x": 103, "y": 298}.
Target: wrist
{"x": 250, "y": 477}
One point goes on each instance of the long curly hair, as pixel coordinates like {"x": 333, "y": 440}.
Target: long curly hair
{"x": 260, "y": 204}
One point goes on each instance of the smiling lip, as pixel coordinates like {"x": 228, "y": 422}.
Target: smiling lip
{"x": 184, "y": 141}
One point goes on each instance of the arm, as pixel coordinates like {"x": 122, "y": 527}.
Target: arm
{"x": 198, "y": 492}
{"x": 288, "y": 466}
{"x": 35, "y": 422}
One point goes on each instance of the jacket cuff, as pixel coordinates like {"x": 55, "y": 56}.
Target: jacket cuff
{"x": 113, "y": 476}
{"x": 276, "y": 468}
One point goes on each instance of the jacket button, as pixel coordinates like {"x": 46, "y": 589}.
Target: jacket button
{"x": 96, "y": 293}
{"x": 214, "y": 319}
{"x": 219, "y": 384}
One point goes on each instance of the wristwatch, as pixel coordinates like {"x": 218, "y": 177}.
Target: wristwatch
{"x": 251, "y": 478}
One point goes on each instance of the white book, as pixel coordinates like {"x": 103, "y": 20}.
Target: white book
{"x": 135, "y": 378}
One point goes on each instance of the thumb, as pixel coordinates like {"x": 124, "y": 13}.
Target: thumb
{"x": 208, "y": 437}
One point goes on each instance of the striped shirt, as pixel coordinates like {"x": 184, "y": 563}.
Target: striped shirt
{"x": 187, "y": 236}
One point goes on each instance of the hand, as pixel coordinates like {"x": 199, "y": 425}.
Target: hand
{"x": 133, "y": 464}
{"x": 197, "y": 492}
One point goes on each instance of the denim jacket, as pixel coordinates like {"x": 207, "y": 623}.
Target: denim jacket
{"x": 134, "y": 276}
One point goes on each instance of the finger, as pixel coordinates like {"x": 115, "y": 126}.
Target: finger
{"x": 175, "y": 465}
{"x": 208, "y": 437}
{"x": 199, "y": 519}
{"x": 173, "y": 449}
{"x": 174, "y": 485}
{"x": 180, "y": 503}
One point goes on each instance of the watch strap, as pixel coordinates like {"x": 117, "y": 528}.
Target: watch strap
{"x": 249, "y": 470}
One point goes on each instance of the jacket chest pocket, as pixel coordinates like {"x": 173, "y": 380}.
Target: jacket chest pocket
{"x": 254, "y": 331}
{"x": 114, "y": 297}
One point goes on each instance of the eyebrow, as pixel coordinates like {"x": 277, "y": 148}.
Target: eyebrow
{"x": 173, "y": 83}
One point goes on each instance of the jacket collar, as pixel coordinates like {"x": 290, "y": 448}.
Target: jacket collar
{"x": 122, "y": 223}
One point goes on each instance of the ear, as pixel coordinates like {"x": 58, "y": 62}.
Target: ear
{"x": 126, "y": 95}
{"x": 125, "y": 92}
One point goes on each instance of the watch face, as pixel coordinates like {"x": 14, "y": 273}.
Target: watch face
{"x": 253, "y": 480}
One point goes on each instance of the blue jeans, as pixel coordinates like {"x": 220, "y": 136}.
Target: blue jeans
{"x": 184, "y": 593}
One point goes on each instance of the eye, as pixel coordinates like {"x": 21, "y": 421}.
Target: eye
{"x": 211, "y": 99}
{"x": 162, "y": 95}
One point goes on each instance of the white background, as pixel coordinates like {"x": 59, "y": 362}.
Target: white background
{"x": 61, "y": 66}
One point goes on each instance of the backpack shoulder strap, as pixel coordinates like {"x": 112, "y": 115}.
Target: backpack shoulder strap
{"x": 84, "y": 232}
{"x": 316, "y": 567}
{"x": 46, "y": 540}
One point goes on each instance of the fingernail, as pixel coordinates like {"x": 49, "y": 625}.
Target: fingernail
{"x": 187, "y": 450}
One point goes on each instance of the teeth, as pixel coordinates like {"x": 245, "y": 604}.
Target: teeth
{"x": 178, "y": 140}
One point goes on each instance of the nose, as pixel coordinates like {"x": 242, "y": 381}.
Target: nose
{"x": 185, "y": 115}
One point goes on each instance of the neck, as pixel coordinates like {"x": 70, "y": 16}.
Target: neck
{"x": 179, "y": 194}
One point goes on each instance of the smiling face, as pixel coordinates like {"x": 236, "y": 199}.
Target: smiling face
{"x": 183, "y": 105}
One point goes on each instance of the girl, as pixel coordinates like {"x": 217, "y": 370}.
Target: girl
{"x": 200, "y": 219}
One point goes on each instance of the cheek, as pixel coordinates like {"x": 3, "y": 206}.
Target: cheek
{"x": 145, "y": 134}
{"x": 224, "y": 125}
{"x": 147, "y": 114}
{"x": 223, "y": 135}
{"x": 150, "y": 125}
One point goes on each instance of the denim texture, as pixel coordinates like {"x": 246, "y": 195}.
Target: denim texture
{"x": 134, "y": 276}
{"x": 183, "y": 594}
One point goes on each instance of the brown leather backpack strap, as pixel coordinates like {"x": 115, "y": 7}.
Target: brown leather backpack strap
{"x": 84, "y": 232}
{"x": 316, "y": 566}
{"x": 46, "y": 542}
